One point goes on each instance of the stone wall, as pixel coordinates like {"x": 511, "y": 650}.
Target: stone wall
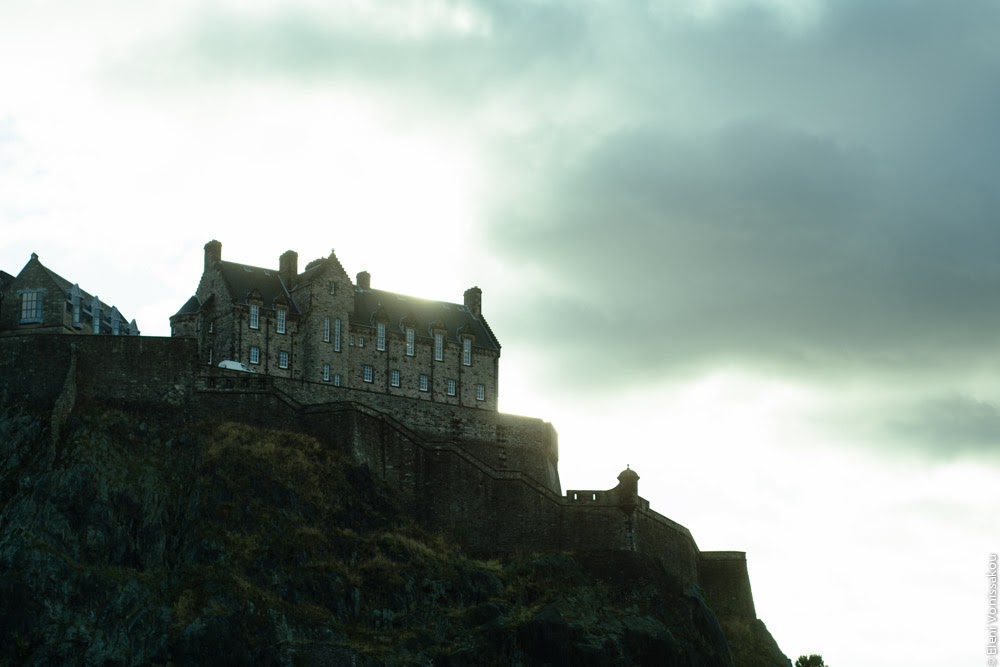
{"x": 724, "y": 578}
{"x": 488, "y": 480}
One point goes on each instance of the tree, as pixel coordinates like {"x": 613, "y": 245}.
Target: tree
{"x": 813, "y": 660}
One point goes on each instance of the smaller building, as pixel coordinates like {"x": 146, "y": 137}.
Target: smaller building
{"x": 38, "y": 300}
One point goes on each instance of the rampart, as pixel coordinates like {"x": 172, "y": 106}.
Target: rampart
{"x": 489, "y": 480}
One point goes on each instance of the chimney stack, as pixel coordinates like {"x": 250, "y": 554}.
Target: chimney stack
{"x": 213, "y": 254}
{"x": 474, "y": 300}
{"x": 288, "y": 268}
{"x": 365, "y": 280}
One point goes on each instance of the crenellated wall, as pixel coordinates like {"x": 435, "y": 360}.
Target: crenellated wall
{"x": 488, "y": 480}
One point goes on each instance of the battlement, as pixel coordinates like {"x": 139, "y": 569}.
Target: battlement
{"x": 488, "y": 479}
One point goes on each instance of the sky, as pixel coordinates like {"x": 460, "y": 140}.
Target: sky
{"x": 750, "y": 248}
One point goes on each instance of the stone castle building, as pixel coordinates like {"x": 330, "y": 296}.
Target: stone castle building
{"x": 320, "y": 326}
{"x": 488, "y": 479}
{"x": 38, "y": 300}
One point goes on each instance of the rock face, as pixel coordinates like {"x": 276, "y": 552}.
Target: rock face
{"x": 135, "y": 538}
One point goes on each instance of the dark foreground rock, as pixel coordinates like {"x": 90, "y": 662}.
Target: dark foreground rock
{"x": 139, "y": 539}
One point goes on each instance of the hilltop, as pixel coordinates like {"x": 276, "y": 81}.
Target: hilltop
{"x": 147, "y": 537}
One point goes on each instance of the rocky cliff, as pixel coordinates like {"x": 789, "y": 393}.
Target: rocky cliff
{"x": 143, "y": 538}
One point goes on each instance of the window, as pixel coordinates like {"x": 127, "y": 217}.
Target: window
{"x": 326, "y": 372}
{"x": 211, "y": 327}
{"x": 76, "y": 311}
{"x": 367, "y": 370}
{"x": 326, "y": 329}
{"x": 424, "y": 383}
{"x": 336, "y": 379}
{"x": 394, "y": 377}
{"x": 255, "y": 316}
{"x": 282, "y": 360}
{"x": 451, "y": 387}
{"x": 31, "y": 306}
{"x": 95, "y": 326}
{"x": 116, "y": 326}
{"x": 209, "y": 356}
{"x": 361, "y": 341}
{"x": 336, "y": 335}
{"x": 466, "y": 351}
{"x": 282, "y": 315}
{"x": 333, "y": 288}
{"x": 439, "y": 347}
{"x": 254, "y": 355}
{"x": 380, "y": 337}
{"x": 410, "y": 346}
{"x": 480, "y": 392}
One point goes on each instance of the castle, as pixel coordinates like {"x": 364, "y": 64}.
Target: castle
{"x": 488, "y": 479}
{"x": 318, "y": 325}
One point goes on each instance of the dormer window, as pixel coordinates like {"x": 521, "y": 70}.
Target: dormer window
{"x": 380, "y": 336}
{"x": 466, "y": 351}
{"x": 411, "y": 348}
{"x": 74, "y": 298}
{"x": 282, "y": 316}
{"x": 254, "y": 316}
{"x": 95, "y": 311}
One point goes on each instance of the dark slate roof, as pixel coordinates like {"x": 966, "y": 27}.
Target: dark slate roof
{"x": 192, "y": 307}
{"x": 241, "y": 279}
{"x": 86, "y": 298}
{"x": 422, "y": 313}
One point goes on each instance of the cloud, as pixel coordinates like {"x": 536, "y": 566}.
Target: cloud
{"x": 758, "y": 244}
{"x": 950, "y": 426}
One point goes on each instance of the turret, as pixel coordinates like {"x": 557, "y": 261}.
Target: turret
{"x": 628, "y": 490}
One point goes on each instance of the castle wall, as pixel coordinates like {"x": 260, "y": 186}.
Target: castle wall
{"x": 724, "y": 578}
{"x": 444, "y": 462}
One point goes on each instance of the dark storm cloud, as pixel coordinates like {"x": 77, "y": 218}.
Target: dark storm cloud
{"x": 946, "y": 427}
{"x": 781, "y": 234}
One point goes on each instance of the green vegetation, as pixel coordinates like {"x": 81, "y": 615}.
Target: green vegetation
{"x": 139, "y": 539}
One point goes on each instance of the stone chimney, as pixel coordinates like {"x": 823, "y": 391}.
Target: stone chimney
{"x": 364, "y": 280}
{"x": 288, "y": 268}
{"x": 474, "y": 300}
{"x": 213, "y": 254}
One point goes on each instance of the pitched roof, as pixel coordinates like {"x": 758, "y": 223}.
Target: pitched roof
{"x": 241, "y": 279}
{"x": 422, "y": 314}
{"x": 191, "y": 307}
{"x": 86, "y": 298}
